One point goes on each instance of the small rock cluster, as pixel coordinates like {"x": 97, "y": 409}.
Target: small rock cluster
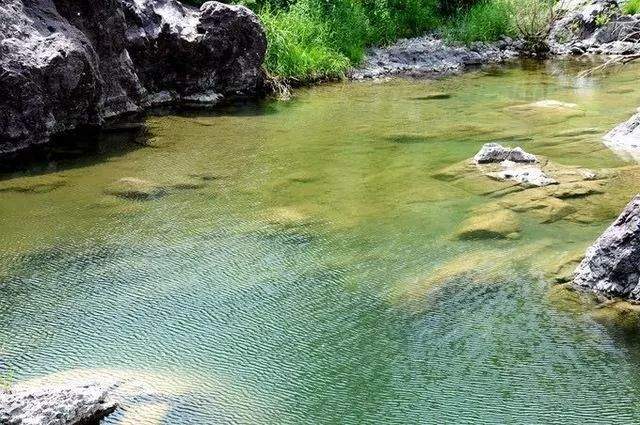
{"x": 511, "y": 162}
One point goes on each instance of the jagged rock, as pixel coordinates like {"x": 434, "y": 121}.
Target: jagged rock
{"x": 624, "y": 139}
{"x": 66, "y": 64}
{"x": 495, "y": 152}
{"x": 611, "y": 266}
{"x": 63, "y": 404}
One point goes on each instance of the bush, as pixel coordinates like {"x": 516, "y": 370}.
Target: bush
{"x": 485, "y": 21}
{"x": 632, "y": 7}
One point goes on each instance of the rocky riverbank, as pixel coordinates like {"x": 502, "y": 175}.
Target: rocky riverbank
{"x": 430, "y": 56}
{"x": 591, "y": 27}
{"x": 70, "y": 65}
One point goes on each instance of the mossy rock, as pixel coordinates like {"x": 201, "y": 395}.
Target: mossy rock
{"x": 501, "y": 224}
{"x": 136, "y": 189}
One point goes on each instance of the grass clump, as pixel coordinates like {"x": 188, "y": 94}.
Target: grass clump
{"x": 486, "y": 21}
{"x": 632, "y": 7}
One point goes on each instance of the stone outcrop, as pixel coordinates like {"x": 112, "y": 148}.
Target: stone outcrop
{"x": 65, "y": 65}
{"x": 429, "y": 56}
{"x": 611, "y": 266}
{"x": 64, "y": 404}
{"x": 594, "y": 27}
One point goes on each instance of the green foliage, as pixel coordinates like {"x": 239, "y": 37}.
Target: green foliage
{"x": 632, "y": 7}
{"x": 484, "y": 21}
{"x": 300, "y": 46}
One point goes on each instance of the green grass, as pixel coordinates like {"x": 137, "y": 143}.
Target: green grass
{"x": 485, "y": 21}
{"x": 632, "y": 7}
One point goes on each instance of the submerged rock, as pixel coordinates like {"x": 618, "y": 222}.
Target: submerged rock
{"x": 611, "y": 266}
{"x": 63, "y": 404}
{"x": 546, "y": 110}
{"x": 66, "y": 65}
{"x": 502, "y": 224}
{"x": 134, "y": 188}
{"x": 495, "y": 152}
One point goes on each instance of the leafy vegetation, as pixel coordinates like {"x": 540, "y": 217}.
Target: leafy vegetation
{"x": 632, "y": 7}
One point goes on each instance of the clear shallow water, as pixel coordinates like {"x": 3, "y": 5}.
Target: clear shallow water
{"x": 289, "y": 286}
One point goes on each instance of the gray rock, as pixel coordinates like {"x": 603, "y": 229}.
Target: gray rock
{"x": 495, "y": 152}
{"x": 624, "y": 139}
{"x": 67, "y": 404}
{"x": 429, "y": 56}
{"x": 612, "y": 264}
{"x": 65, "y": 65}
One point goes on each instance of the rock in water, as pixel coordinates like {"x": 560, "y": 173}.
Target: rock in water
{"x": 624, "y": 139}
{"x": 524, "y": 175}
{"x": 495, "y": 152}
{"x": 66, "y": 64}
{"x": 611, "y": 266}
{"x": 68, "y": 404}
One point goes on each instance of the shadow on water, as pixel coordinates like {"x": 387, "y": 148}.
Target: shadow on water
{"x": 73, "y": 150}
{"x": 87, "y": 147}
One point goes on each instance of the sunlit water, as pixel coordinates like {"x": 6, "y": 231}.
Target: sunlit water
{"x": 275, "y": 290}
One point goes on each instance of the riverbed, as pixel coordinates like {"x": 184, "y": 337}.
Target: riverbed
{"x": 298, "y": 262}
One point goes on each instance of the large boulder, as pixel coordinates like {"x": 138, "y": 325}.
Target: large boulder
{"x": 66, "y": 64}
{"x": 611, "y": 266}
{"x": 70, "y": 403}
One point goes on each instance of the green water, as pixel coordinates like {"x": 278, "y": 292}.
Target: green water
{"x": 287, "y": 285}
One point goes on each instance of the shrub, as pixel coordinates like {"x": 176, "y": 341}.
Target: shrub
{"x": 632, "y": 7}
